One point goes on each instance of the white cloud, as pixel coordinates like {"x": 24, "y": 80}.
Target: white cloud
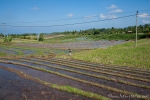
{"x": 116, "y": 11}
{"x": 70, "y": 15}
{"x": 146, "y": 21}
{"x": 91, "y": 16}
{"x": 102, "y": 16}
{"x": 35, "y": 8}
{"x": 143, "y": 15}
{"x": 107, "y": 16}
{"x": 112, "y": 6}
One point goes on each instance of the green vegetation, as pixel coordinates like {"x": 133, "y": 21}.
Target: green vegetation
{"x": 7, "y": 39}
{"x": 116, "y": 36}
{"x": 2, "y": 54}
{"x": 79, "y": 38}
{"x": 41, "y": 38}
{"x": 113, "y": 33}
{"x": 79, "y": 92}
{"x": 124, "y": 54}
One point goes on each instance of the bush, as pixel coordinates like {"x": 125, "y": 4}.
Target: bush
{"x": 41, "y": 37}
{"x": 7, "y": 39}
{"x": 21, "y": 37}
{"x": 35, "y": 38}
{"x": 28, "y": 37}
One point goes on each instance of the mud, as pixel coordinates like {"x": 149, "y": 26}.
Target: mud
{"x": 7, "y": 51}
{"x": 54, "y": 79}
{"x": 77, "y": 45}
{"x": 14, "y": 87}
{"x": 96, "y": 80}
{"x": 65, "y": 81}
{"x": 96, "y": 73}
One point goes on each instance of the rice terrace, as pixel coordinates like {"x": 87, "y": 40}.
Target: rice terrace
{"x": 97, "y": 69}
{"x": 74, "y": 50}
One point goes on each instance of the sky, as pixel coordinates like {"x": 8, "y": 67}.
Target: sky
{"x": 46, "y": 16}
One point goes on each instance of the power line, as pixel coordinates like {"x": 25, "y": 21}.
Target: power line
{"x": 78, "y": 17}
{"x": 78, "y": 23}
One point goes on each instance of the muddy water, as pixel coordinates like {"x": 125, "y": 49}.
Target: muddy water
{"x": 96, "y": 80}
{"x": 13, "y": 87}
{"x": 7, "y": 51}
{"x": 60, "y": 80}
{"x": 95, "y": 73}
{"x": 24, "y": 51}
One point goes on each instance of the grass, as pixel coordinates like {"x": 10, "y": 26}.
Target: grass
{"x": 124, "y": 54}
{"x": 78, "y": 38}
{"x": 116, "y": 36}
{"x": 79, "y": 92}
{"x": 2, "y": 54}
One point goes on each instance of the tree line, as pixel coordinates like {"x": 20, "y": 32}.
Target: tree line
{"x": 93, "y": 31}
{"x": 128, "y": 30}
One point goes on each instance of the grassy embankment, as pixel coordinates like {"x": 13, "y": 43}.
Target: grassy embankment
{"x": 124, "y": 54}
{"x": 79, "y": 38}
{"x": 76, "y": 38}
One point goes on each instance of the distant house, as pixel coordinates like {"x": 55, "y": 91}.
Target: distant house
{"x": 129, "y": 32}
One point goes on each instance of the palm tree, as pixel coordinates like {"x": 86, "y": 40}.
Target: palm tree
{"x": 147, "y": 30}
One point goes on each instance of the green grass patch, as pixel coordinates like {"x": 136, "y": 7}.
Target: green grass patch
{"x": 79, "y": 92}
{"x": 124, "y": 54}
{"x": 2, "y": 54}
{"x": 116, "y": 36}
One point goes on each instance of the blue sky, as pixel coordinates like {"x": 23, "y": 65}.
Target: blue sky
{"x": 20, "y": 16}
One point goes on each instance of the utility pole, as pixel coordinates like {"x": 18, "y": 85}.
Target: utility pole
{"x": 136, "y": 30}
{"x": 4, "y": 29}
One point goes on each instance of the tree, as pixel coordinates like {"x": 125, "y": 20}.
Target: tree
{"x": 1, "y": 35}
{"x": 140, "y": 29}
{"x": 113, "y": 30}
{"x": 147, "y": 30}
{"x": 41, "y": 37}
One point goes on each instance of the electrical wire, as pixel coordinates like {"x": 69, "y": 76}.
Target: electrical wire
{"x": 77, "y": 17}
{"x": 78, "y": 23}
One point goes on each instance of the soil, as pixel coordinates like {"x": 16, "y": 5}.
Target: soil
{"x": 55, "y": 79}
{"x": 17, "y": 87}
{"x": 96, "y": 80}
{"x": 95, "y": 73}
{"x": 76, "y": 45}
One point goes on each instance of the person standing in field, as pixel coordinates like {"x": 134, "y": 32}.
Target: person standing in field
{"x": 70, "y": 51}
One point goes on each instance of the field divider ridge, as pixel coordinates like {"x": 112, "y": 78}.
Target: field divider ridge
{"x": 91, "y": 75}
{"x": 76, "y": 79}
{"x": 127, "y": 69}
{"x": 98, "y": 71}
{"x": 58, "y": 87}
